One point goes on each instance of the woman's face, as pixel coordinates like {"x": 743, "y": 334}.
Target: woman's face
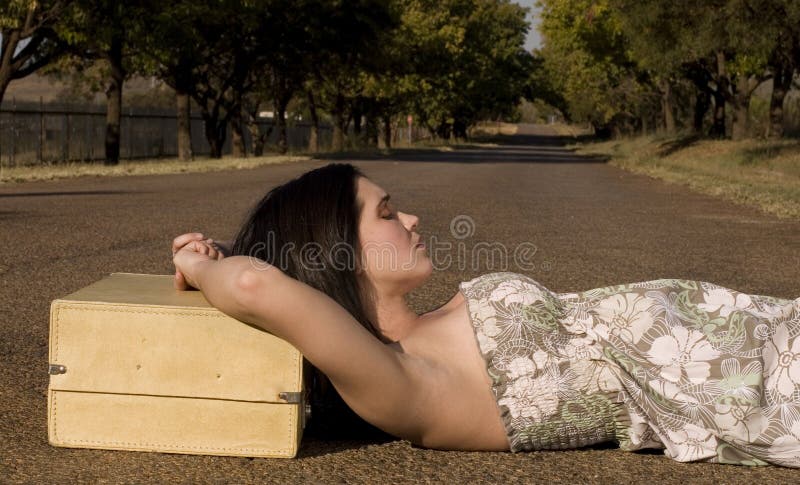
{"x": 392, "y": 256}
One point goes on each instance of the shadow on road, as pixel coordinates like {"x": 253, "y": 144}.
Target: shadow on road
{"x": 76, "y": 192}
{"x": 316, "y": 447}
{"x": 530, "y": 145}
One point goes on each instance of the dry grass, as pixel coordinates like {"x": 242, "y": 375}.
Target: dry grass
{"x": 760, "y": 173}
{"x": 137, "y": 167}
{"x": 493, "y": 128}
{"x": 563, "y": 129}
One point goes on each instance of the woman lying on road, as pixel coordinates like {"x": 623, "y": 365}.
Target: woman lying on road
{"x": 704, "y": 372}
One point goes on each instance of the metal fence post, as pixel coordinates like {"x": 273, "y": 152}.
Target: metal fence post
{"x": 1, "y": 140}
{"x": 40, "y": 151}
{"x": 161, "y": 145}
{"x": 130, "y": 133}
{"x": 1, "y": 136}
{"x": 13, "y": 132}
{"x": 65, "y": 142}
{"x": 88, "y": 134}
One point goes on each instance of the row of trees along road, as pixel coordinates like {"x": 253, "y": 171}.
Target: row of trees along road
{"x": 626, "y": 65}
{"x": 360, "y": 63}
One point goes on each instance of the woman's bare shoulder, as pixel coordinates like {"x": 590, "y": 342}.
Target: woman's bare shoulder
{"x": 447, "y": 308}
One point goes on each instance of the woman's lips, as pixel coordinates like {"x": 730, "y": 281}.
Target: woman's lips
{"x": 421, "y": 245}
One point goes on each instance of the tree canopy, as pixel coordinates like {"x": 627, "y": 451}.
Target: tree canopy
{"x": 624, "y": 65}
{"x": 361, "y": 65}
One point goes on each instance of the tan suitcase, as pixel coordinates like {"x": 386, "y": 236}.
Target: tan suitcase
{"x": 138, "y": 365}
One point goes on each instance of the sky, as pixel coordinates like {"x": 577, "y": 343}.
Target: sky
{"x": 533, "y": 39}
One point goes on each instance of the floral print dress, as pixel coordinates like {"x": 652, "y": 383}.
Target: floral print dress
{"x": 705, "y": 372}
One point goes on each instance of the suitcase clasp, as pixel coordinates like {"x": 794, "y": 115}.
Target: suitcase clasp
{"x": 291, "y": 397}
{"x": 57, "y": 369}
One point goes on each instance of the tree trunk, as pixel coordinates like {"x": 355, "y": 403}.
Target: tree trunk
{"x": 741, "y": 103}
{"x": 781, "y": 83}
{"x": 723, "y": 86}
{"x": 10, "y": 43}
{"x": 259, "y": 139}
{"x": 739, "y": 123}
{"x": 667, "y": 108}
{"x": 215, "y": 132}
{"x": 250, "y": 121}
{"x": 718, "y": 125}
{"x": 184, "y": 116}
{"x": 387, "y": 131}
{"x": 313, "y": 137}
{"x": 337, "y": 142}
{"x": 338, "y": 124}
{"x": 371, "y": 130}
{"x": 5, "y": 80}
{"x": 114, "y": 102}
{"x": 238, "y": 148}
{"x": 280, "y": 123}
{"x": 357, "y": 115}
{"x": 460, "y": 130}
{"x": 701, "y": 104}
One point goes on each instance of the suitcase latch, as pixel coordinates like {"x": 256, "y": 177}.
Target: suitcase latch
{"x": 291, "y": 397}
{"x": 57, "y": 369}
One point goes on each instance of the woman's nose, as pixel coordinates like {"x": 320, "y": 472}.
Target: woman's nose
{"x": 410, "y": 221}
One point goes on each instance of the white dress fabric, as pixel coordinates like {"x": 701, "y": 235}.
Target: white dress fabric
{"x": 705, "y": 372}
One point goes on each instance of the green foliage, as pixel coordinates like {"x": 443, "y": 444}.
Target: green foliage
{"x": 468, "y": 60}
{"x": 587, "y": 58}
{"x": 27, "y": 39}
{"x": 613, "y": 59}
{"x": 13, "y": 12}
{"x": 449, "y": 63}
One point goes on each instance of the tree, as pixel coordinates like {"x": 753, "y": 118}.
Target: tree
{"x": 348, "y": 40}
{"x": 541, "y": 87}
{"x": 587, "y": 56}
{"x": 27, "y": 37}
{"x": 724, "y": 46}
{"x": 101, "y": 30}
{"x": 171, "y": 48}
{"x": 468, "y": 61}
{"x": 212, "y": 52}
{"x": 292, "y": 46}
{"x": 782, "y": 19}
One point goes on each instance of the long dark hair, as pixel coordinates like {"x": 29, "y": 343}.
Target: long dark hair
{"x": 308, "y": 227}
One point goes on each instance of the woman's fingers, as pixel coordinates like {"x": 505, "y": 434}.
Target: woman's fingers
{"x": 179, "y": 243}
{"x": 185, "y": 239}
{"x": 216, "y": 251}
{"x": 180, "y": 281}
{"x": 203, "y": 247}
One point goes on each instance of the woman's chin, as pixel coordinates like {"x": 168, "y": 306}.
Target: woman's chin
{"x": 424, "y": 269}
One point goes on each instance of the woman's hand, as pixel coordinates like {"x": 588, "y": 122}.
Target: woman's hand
{"x": 207, "y": 247}
{"x": 188, "y": 261}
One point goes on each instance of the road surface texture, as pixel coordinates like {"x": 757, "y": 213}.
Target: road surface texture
{"x": 590, "y": 224}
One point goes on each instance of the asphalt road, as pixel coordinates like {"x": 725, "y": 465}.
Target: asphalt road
{"x": 590, "y": 224}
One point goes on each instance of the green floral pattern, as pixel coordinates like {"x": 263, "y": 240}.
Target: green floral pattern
{"x": 705, "y": 372}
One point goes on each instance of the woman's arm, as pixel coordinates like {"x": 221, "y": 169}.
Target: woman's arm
{"x": 379, "y": 383}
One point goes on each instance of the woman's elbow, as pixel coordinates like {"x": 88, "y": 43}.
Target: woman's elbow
{"x": 246, "y": 281}
{"x": 251, "y": 290}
